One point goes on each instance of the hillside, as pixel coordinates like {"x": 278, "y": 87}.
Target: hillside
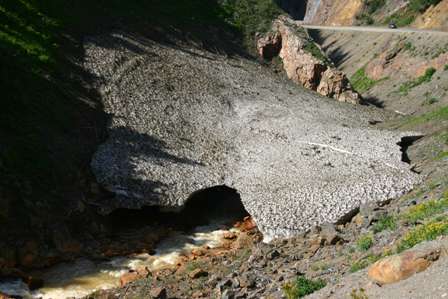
{"x": 427, "y": 14}
{"x": 220, "y": 149}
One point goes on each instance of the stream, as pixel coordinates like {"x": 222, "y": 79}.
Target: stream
{"x": 206, "y": 217}
{"x": 84, "y": 276}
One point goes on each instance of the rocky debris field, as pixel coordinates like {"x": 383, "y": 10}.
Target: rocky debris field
{"x": 183, "y": 120}
{"x": 366, "y": 256}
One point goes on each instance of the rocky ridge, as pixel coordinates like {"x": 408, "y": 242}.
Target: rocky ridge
{"x": 304, "y": 62}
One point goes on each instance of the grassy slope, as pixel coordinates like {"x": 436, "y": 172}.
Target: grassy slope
{"x": 403, "y": 17}
{"x": 51, "y": 121}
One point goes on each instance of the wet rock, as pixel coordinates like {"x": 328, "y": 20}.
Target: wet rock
{"x": 399, "y": 267}
{"x": 229, "y": 236}
{"x": 158, "y": 293}
{"x": 197, "y": 273}
{"x": 133, "y": 276}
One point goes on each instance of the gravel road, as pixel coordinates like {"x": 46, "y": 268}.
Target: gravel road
{"x": 183, "y": 120}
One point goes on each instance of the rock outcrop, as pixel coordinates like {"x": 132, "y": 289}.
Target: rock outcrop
{"x": 304, "y": 61}
{"x": 184, "y": 120}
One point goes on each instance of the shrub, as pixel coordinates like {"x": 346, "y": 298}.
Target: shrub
{"x": 426, "y": 232}
{"x": 365, "y": 242}
{"x": 425, "y": 210}
{"x": 421, "y": 5}
{"x": 445, "y": 68}
{"x": 302, "y": 287}
{"x": 314, "y": 50}
{"x": 361, "y": 82}
{"x": 373, "y": 5}
{"x": 385, "y": 223}
{"x": 426, "y": 77}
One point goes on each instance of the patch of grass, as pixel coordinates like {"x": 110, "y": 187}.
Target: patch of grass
{"x": 421, "y": 5}
{"x": 319, "y": 266}
{"x": 386, "y": 222}
{"x": 314, "y": 50}
{"x": 426, "y": 232}
{"x": 358, "y": 294}
{"x": 425, "y": 78}
{"x": 365, "y": 242}
{"x": 361, "y": 82}
{"x": 440, "y": 114}
{"x": 364, "y": 262}
{"x": 408, "y": 14}
{"x": 425, "y": 210}
{"x": 302, "y": 287}
{"x": 445, "y": 68}
{"x": 442, "y": 155}
{"x": 373, "y": 5}
{"x": 408, "y": 46}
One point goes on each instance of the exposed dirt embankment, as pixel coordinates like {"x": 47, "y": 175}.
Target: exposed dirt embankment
{"x": 405, "y": 72}
{"x": 417, "y": 14}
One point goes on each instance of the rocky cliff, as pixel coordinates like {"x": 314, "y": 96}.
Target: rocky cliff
{"x": 304, "y": 62}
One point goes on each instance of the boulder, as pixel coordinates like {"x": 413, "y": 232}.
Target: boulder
{"x": 402, "y": 266}
{"x": 133, "y": 276}
{"x": 197, "y": 273}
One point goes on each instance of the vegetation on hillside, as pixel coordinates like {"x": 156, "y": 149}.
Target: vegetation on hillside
{"x": 301, "y": 287}
{"x": 372, "y": 12}
{"x": 425, "y": 78}
{"x": 361, "y": 82}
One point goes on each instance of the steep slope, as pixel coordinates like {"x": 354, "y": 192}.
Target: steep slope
{"x": 415, "y": 13}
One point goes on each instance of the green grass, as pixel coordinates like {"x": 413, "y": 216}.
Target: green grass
{"x": 302, "y": 287}
{"x": 364, "y": 242}
{"x": 386, "y": 222}
{"x": 445, "y": 67}
{"x": 421, "y": 5}
{"x": 361, "y": 82}
{"x": 315, "y": 51}
{"x": 425, "y": 78}
{"x": 425, "y": 232}
{"x": 437, "y": 115}
{"x": 373, "y": 5}
{"x": 358, "y": 294}
{"x": 408, "y": 14}
{"x": 425, "y": 210}
{"x": 408, "y": 46}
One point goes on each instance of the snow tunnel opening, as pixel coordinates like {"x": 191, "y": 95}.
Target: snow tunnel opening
{"x": 203, "y": 207}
